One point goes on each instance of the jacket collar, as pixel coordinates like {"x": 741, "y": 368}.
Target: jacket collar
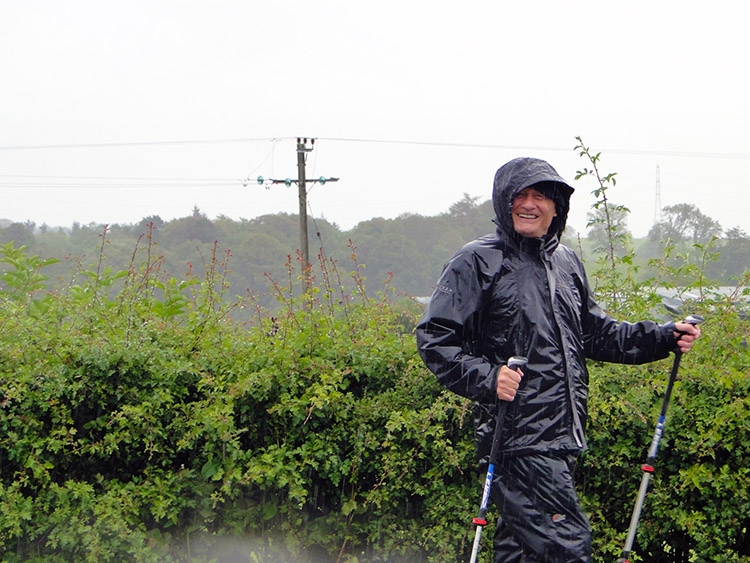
{"x": 543, "y": 247}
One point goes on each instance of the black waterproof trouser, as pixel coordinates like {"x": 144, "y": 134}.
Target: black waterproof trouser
{"x": 541, "y": 520}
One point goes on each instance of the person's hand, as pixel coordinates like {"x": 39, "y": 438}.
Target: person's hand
{"x": 508, "y": 381}
{"x": 687, "y": 335}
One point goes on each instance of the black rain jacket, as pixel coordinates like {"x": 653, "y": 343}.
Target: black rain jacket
{"x": 505, "y": 295}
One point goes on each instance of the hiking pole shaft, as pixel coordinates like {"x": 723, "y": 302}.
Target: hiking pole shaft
{"x": 648, "y": 467}
{"x": 480, "y": 521}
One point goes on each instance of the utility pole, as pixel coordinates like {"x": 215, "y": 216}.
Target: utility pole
{"x": 302, "y": 181}
{"x": 302, "y": 191}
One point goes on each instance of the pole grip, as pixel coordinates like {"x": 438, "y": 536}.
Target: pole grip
{"x": 694, "y": 319}
{"x": 513, "y": 362}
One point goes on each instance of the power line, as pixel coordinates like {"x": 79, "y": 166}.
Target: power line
{"x": 110, "y": 182}
{"x": 139, "y": 144}
{"x": 62, "y": 185}
{"x": 155, "y": 178}
{"x": 120, "y": 185}
{"x": 441, "y": 144}
{"x": 678, "y": 154}
{"x": 635, "y": 152}
{"x": 632, "y": 152}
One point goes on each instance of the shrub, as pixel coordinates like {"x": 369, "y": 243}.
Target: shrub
{"x": 137, "y": 422}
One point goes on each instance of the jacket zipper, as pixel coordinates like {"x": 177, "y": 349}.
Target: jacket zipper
{"x": 577, "y": 429}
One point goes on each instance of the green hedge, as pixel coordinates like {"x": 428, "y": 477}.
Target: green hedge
{"x": 698, "y": 504}
{"x": 138, "y": 422}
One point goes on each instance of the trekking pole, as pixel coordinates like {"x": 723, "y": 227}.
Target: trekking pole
{"x": 648, "y": 467}
{"x": 514, "y": 362}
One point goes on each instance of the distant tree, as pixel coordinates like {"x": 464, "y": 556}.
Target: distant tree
{"x": 282, "y": 226}
{"x": 84, "y": 239}
{"x": 196, "y": 227}
{"x": 571, "y": 237}
{"x": 470, "y": 219}
{"x": 685, "y": 223}
{"x": 255, "y": 257}
{"x": 682, "y": 227}
{"x": 463, "y": 208}
{"x": 20, "y": 233}
{"x": 154, "y": 220}
{"x": 600, "y": 225}
{"x": 424, "y": 231}
{"x": 397, "y": 254}
{"x": 372, "y": 227}
{"x": 734, "y": 258}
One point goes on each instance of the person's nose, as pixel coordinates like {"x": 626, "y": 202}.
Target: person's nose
{"x": 525, "y": 200}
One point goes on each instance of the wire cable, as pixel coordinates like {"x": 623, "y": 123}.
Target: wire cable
{"x": 139, "y": 144}
{"x": 270, "y": 154}
{"x": 632, "y": 152}
{"x": 636, "y": 152}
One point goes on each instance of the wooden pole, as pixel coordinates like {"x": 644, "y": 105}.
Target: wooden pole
{"x": 302, "y": 190}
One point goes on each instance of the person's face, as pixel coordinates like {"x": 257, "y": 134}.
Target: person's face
{"x": 532, "y": 213}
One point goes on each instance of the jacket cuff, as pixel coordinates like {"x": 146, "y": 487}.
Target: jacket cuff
{"x": 668, "y": 330}
{"x": 489, "y": 386}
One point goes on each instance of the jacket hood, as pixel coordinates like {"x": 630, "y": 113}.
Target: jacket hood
{"x": 521, "y": 173}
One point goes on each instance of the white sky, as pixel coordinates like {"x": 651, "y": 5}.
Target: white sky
{"x": 455, "y": 90}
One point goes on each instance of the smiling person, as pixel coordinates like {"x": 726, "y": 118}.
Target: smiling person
{"x": 519, "y": 292}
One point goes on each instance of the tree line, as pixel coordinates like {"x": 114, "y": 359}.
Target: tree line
{"x": 409, "y": 250}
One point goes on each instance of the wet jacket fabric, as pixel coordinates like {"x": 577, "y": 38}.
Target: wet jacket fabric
{"x": 504, "y": 295}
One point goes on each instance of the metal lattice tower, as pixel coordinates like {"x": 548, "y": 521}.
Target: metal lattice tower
{"x": 657, "y": 202}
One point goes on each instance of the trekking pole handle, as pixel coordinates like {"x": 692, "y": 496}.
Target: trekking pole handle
{"x": 514, "y": 363}
{"x": 690, "y": 319}
{"x": 694, "y": 320}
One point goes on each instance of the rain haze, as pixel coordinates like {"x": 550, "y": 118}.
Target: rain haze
{"x": 112, "y": 112}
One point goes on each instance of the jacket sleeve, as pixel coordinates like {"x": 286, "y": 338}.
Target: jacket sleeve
{"x": 608, "y": 340}
{"x": 450, "y": 329}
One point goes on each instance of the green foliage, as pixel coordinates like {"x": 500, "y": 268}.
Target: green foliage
{"x": 410, "y": 249}
{"x": 613, "y": 278}
{"x": 138, "y": 423}
{"x": 697, "y": 506}
{"x": 147, "y": 413}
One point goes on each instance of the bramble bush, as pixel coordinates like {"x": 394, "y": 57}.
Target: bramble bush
{"x": 698, "y": 505}
{"x": 140, "y": 422}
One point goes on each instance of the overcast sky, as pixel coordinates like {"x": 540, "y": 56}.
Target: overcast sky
{"x": 113, "y": 111}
